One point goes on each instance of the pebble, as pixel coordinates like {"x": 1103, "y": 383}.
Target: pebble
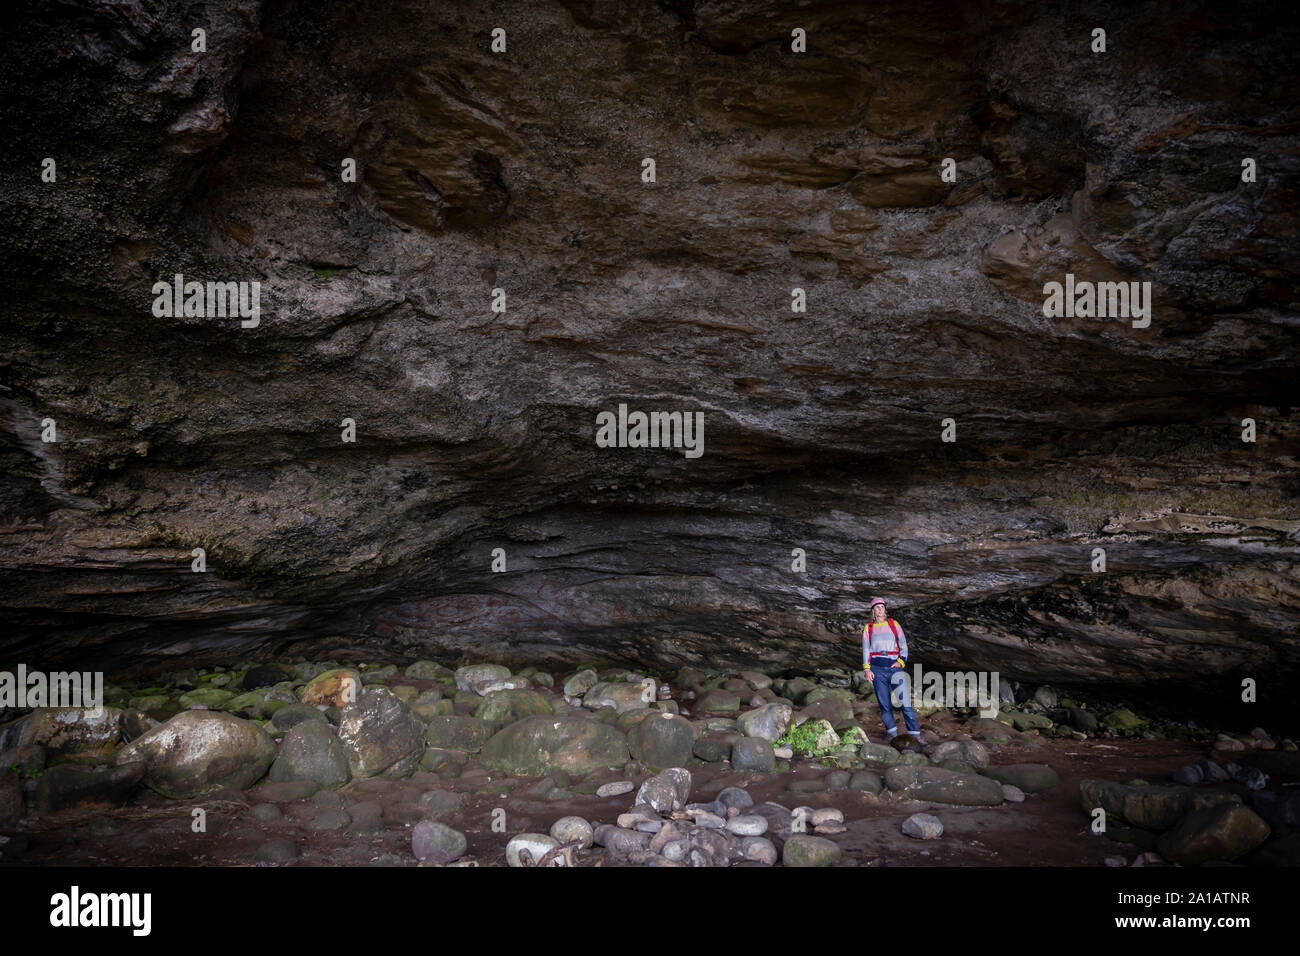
{"x": 615, "y": 789}
{"x": 537, "y": 845}
{"x": 710, "y": 821}
{"x": 758, "y": 850}
{"x": 803, "y": 850}
{"x": 667, "y": 834}
{"x": 749, "y": 825}
{"x": 830, "y": 829}
{"x": 569, "y": 829}
{"x": 737, "y": 797}
{"x": 827, "y": 815}
{"x": 620, "y": 841}
{"x": 1116, "y": 861}
{"x": 1012, "y": 794}
{"x": 923, "y": 826}
{"x": 638, "y": 814}
{"x": 434, "y": 842}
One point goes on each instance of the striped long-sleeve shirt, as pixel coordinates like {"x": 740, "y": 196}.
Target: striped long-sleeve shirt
{"x": 881, "y": 642}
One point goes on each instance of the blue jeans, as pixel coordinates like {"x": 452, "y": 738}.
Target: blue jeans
{"x": 886, "y": 677}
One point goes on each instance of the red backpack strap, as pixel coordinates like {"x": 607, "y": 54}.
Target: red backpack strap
{"x": 894, "y": 627}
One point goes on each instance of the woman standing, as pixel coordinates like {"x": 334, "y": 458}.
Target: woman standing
{"x": 884, "y": 655}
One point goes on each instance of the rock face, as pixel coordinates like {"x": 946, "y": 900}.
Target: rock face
{"x": 476, "y": 429}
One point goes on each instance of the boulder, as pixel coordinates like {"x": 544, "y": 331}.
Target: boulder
{"x": 312, "y": 751}
{"x": 667, "y": 791}
{"x": 436, "y": 842}
{"x": 621, "y": 696}
{"x": 804, "y": 850}
{"x": 66, "y": 731}
{"x": 507, "y": 706}
{"x": 664, "y": 740}
{"x": 923, "y": 826}
{"x": 581, "y": 682}
{"x": 466, "y": 734}
{"x": 380, "y": 734}
{"x": 467, "y": 677}
{"x": 333, "y": 688}
{"x": 937, "y": 785}
{"x": 753, "y": 754}
{"x": 970, "y": 752}
{"x": 201, "y": 751}
{"x": 1218, "y": 833}
{"x": 536, "y": 746}
{"x": 769, "y": 721}
{"x": 69, "y": 787}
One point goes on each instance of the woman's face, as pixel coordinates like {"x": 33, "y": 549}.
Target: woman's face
{"x": 879, "y": 612}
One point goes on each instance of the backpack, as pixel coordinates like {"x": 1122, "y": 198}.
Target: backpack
{"x": 892, "y": 626}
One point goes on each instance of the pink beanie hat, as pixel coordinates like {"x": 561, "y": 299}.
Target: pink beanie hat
{"x": 875, "y": 601}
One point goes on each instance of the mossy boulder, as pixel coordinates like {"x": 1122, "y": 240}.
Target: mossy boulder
{"x": 452, "y": 732}
{"x": 505, "y": 706}
{"x": 662, "y": 741}
{"x": 536, "y": 746}
{"x": 1123, "y": 721}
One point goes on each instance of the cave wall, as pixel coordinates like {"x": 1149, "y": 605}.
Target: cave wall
{"x": 475, "y": 429}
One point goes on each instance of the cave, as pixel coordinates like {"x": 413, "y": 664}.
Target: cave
{"x": 327, "y": 330}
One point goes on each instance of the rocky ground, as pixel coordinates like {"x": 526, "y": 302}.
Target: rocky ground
{"x": 379, "y": 765}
